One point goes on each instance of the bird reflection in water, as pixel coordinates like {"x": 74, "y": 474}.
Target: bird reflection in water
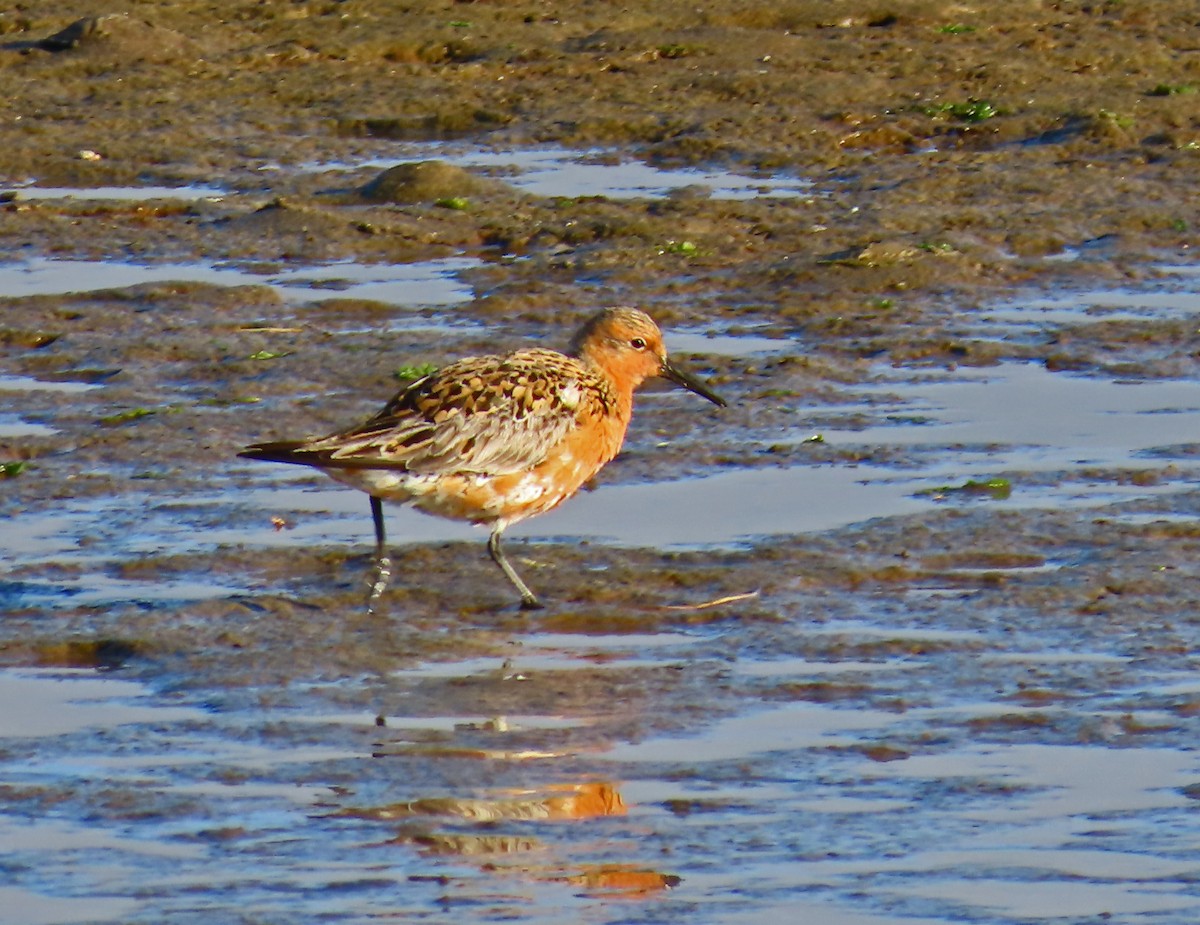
{"x": 572, "y": 802}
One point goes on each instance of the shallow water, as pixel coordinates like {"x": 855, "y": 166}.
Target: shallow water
{"x": 1175, "y": 296}
{"x": 567, "y": 173}
{"x": 30, "y": 384}
{"x": 967, "y": 424}
{"x": 941, "y": 706}
{"x": 1057, "y": 438}
{"x": 715, "y": 341}
{"x": 119, "y": 193}
{"x": 853, "y": 753}
{"x": 334, "y": 814}
{"x": 13, "y": 426}
{"x": 429, "y": 283}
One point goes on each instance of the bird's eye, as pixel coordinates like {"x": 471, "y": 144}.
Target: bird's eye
{"x": 638, "y": 343}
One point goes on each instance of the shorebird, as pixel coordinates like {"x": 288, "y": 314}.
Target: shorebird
{"x": 496, "y": 439}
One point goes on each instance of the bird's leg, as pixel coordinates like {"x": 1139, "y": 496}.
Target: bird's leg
{"x": 528, "y": 600}
{"x": 383, "y": 563}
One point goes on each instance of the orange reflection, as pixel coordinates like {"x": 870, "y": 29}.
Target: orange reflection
{"x": 571, "y": 801}
{"x": 622, "y": 879}
{"x": 588, "y": 800}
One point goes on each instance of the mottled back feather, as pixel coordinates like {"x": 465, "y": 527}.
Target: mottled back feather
{"x": 492, "y": 415}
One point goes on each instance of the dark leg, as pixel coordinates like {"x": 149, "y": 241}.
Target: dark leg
{"x": 528, "y": 600}
{"x": 383, "y": 563}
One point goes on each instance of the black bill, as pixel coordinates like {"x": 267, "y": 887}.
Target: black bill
{"x": 690, "y": 382}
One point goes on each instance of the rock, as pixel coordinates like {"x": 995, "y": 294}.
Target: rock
{"x": 429, "y": 181}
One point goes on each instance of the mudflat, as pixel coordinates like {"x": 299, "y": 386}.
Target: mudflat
{"x": 940, "y": 259}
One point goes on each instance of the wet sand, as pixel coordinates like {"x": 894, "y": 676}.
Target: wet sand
{"x": 939, "y": 259}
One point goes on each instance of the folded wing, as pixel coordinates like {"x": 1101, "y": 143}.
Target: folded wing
{"x": 490, "y": 415}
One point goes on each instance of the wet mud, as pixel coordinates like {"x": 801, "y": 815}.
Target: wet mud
{"x": 906, "y": 634}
